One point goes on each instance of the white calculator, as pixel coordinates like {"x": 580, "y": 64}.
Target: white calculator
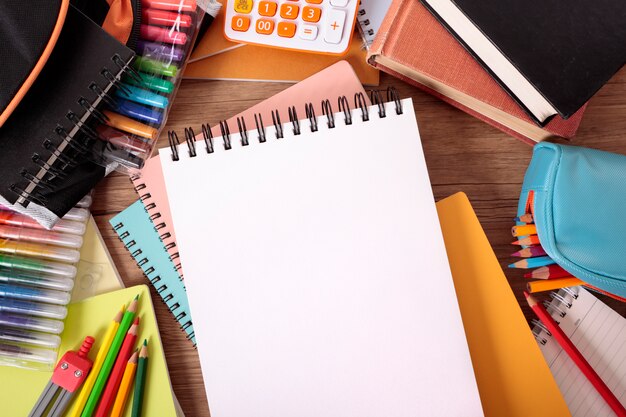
{"x": 322, "y": 26}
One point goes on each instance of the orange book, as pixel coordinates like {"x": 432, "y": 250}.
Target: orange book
{"x": 413, "y": 46}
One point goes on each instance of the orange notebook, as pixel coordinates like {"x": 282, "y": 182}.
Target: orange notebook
{"x": 413, "y": 46}
{"x": 512, "y": 376}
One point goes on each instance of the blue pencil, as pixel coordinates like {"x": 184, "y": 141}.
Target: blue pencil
{"x": 533, "y": 262}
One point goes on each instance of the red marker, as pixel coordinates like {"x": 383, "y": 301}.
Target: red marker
{"x": 165, "y": 18}
{"x": 159, "y": 34}
{"x": 174, "y": 5}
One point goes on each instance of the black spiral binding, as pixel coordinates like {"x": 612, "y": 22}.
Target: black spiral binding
{"x": 327, "y": 111}
{"x": 561, "y": 302}
{"x": 63, "y": 149}
{"x": 161, "y": 288}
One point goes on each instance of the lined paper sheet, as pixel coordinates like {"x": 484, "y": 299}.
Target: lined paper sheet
{"x": 310, "y": 265}
{"x": 600, "y": 335}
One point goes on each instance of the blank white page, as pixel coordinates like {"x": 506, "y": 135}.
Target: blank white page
{"x": 599, "y": 333}
{"x": 317, "y": 274}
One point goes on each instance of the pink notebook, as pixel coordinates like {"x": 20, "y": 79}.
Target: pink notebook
{"x": 333, "y": 82}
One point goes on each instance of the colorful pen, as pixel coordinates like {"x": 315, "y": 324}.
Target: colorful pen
{"x": 151, "y": 82}
{"x": 159, "y": 34}
{"x": 533, "y": 262}
{"x": 141, "y": 113}
{"x": 132, "y": 143}
{"x": 159, "y": 52}
{"x": 22, "y": 354}
{"x": 16, "y": 264}
{"x": 52, "y": 253}
{"x": 165, "y": 18}
{"x": 151, "y": 66}
{"x": 142, "y": 96}
{"x": 50, "y": 341}
{"x": 36, "y": 279}
{"x": 31, "y": 323}
{"x": 30, "y": 308}
{"x": 77, "y": 214}
{"x": 175, "y": 5}
{"x": 19, "y": 292}
{"x": 42, "y": 236}
{"x": 11, "y": 218}
{"x": 129, "y": 125}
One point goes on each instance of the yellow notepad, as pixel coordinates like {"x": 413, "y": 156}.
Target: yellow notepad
{"x": 512, "y": 375}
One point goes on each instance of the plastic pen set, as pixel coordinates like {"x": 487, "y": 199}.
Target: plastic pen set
{"x": 139, "y": 107}
{"x": 37, "y": 271}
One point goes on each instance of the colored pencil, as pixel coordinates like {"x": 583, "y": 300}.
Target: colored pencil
{"x": 532, "y": 262}
{"x": 525, "y": 230}
{"x": 576, "y": 356}
{"x": 103, "y": 375}
{"x": 125, "y": 386}
{"x": 553, "y": 284}
{"x": 140, "y": 380}
{"x": 113, "y": 383}
{"x": 529, "y": 252}
{"x": 525, "y": 218}
{"x": 77, "y": 408}
{"x": 548, "y": 272}
{"x": 527, "y": 241}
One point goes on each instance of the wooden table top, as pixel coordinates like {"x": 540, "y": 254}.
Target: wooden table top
{"x": 462, "y": 154}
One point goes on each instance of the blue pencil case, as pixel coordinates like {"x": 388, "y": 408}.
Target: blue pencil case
{"x": 577, "y": 197}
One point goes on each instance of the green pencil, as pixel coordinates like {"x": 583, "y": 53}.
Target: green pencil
{"x": 140, "y": 380}
{"x": 109, "y": 360}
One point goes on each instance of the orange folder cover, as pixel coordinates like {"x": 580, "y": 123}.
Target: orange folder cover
{"x": 512, "y": 376}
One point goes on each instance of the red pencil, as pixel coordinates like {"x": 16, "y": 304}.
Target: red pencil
{"x": 110, "y": 390}
{"x": 527, "y": 241}
{"x": 548, "y": 272}
{"x": 576, "y": 356}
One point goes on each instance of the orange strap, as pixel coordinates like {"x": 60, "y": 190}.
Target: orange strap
{"x": 119, "y": 20}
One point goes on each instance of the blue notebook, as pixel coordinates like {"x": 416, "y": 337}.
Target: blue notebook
{"x": 136, "y": 230}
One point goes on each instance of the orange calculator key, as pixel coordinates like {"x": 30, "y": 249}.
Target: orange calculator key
{"x": 240, "y": 23}
{"x": 289, "y": 11}
{"x": 311, "y": 14}
{"x": 267, "y": 8}
{"x": 243, "y": 6}
{"x": 314, "y": 1}
{"x": 286, "y": 29}
{"x": 264, "y": 26}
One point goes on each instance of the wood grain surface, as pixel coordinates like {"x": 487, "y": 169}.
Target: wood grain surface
{"x": 462, "y": 154}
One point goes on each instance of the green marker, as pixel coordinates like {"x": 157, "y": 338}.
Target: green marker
{"x": 151, "y": 82}
{"x": 16, "y": 264}
{"x": 155, "y": 67}
{"x": 109, "y": 360}
{"x": 140, "y": 380}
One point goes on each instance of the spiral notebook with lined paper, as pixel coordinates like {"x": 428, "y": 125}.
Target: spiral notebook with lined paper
{"x": 599, "y": 333}
{"x": 307, "y": 246}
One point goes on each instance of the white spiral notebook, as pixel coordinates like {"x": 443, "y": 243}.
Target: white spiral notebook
{"x": 599, "y": 333}
{"x": 316, "y": 270}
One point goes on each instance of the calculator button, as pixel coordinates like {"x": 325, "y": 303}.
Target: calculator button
{"x": 308, "y": 32}
{"x": 240, "y": 23}
{"x": 267, "y": 8}
{"x": 334, "y": 25}
{"x": 314, "y": 1}
{"x": 264, "y": 26}
{"x": 243, "y": 6}
{"x": 286, "y": 29}
{"x": 289, "y": 11}
{"x": 311, "y": 14}
{"x": 339, "y": 3}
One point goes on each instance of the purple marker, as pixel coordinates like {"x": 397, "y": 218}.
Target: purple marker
{"x": 31, "y": 323}
{"x": 159, "y": 52}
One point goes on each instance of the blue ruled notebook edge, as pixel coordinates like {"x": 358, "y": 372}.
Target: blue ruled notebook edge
{"x": 136, "y": 230}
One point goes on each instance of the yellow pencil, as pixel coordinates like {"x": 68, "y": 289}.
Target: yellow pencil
{"x": 553, "y": 284}
{"x": 125, "y": 386}
{"x": 79, "y": 404}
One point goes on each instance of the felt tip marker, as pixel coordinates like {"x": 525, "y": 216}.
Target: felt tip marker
{"x": 44, "y": 340}
{"x": 142, "y": 96}
{"x": 151, "y": 82}
{"x": 159, "y": 52}
{"x": 52, "y": 253}
{"x": 77, "y": 214}
{"x": 84, "y": 202}
{"x": 34, "y": 294}
{"x": 21, "y": 354}
{"x": 138, "y": 112}
{"x": 159, "y": 34}
{"x": 47, "y": 311}
{"x": 12, "y": 218}
{"x": 36, "y": 279}
{"x": 129, "y": 125}
{"x": 173, "y": 5}
{"x": 31, "y": 323}
{"x": 151, "y": 66}
{"x": 132, "y": 143}
{"x": 16, "y": 264}
{"x": 165, "y": 18}
{"x": 44, "y": 237}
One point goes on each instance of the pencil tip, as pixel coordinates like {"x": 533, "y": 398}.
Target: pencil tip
{"x": 137, "y": 297}
{"x": 512, "y": 265}
{"x": 136, "y": 321}
{"x": 145, "y": 342}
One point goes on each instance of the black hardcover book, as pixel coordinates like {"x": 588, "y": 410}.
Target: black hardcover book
{"x": 50, "y": 156}
{"x": 564, "y": 50}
